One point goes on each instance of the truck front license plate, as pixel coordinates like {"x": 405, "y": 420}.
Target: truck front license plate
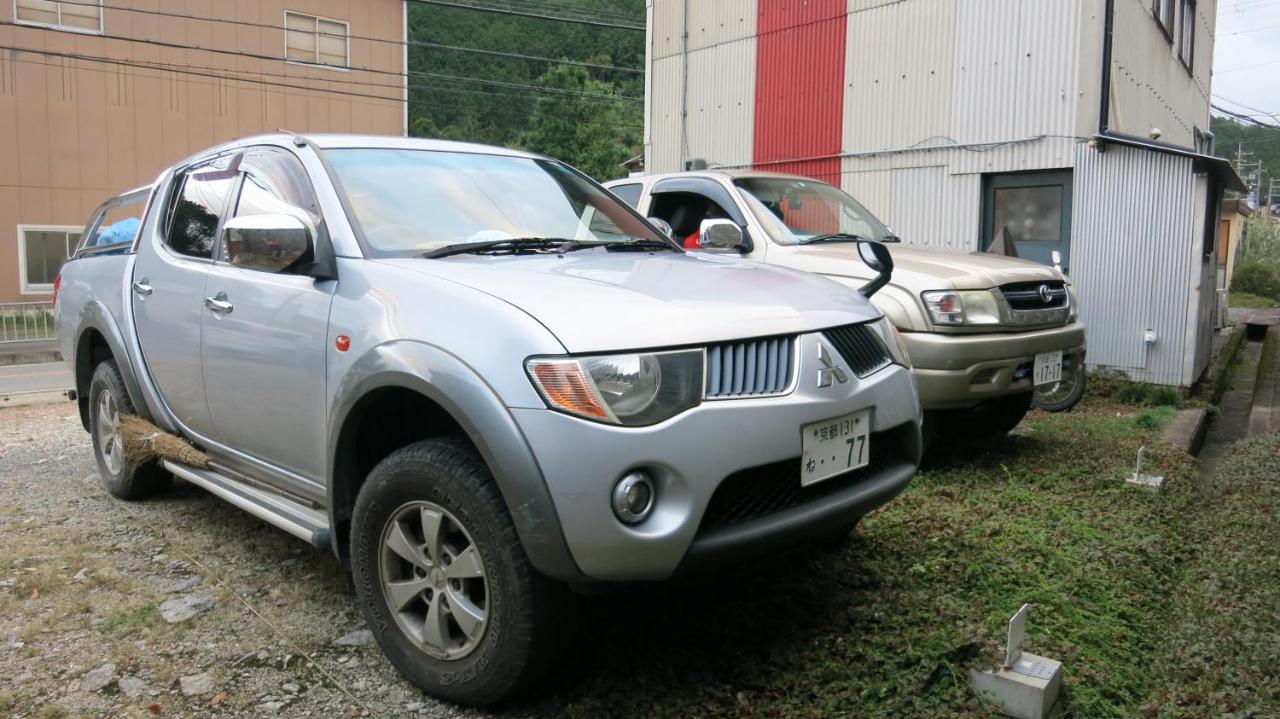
{"x": 1048, "y": 368}
{"x": 834, "y": 446}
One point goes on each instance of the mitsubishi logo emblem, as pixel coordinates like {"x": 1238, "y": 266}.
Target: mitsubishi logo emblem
{"x": 1046, "y": 294}
{"x": 829, "y": 372}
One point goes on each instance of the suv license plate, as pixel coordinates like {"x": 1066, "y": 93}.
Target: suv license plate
{"x": 1048, "y": 368}
{"x": 834, "y": 446}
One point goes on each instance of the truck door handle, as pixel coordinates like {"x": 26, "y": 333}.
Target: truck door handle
{"x": 142, "y": 288}
{"x": 218, "y": 303}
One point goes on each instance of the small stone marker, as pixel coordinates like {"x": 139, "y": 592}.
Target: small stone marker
{"x": 1150, "y": 481}
{"x": 1026, "y": 685}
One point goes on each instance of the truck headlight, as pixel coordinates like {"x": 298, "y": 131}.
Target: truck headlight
{"x": 627, "y": 389}
{"x": 962, "y": 307}
{"x": 892, "y": 341}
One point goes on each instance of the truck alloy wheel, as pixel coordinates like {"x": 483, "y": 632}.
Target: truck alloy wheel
{"x": 443, "y": 580}
{"x": 434, "y": 580}
{"x": 124, "y": 478}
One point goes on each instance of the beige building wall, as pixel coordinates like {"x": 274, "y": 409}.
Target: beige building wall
{"x": 74, "y": 130}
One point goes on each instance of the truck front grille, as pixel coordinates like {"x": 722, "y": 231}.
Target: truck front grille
{"x": 771, "y": 488}
{"x": 861, "y": 349}
{"x": 751, "y": 368}
{"x": 1024, "y": 296}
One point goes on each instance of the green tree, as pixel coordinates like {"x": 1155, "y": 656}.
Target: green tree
{"x": 593, "y": 134}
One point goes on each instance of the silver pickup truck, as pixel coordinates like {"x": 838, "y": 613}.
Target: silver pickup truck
{"x": 477, "y": 377}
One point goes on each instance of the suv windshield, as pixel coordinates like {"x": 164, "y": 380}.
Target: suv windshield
{"x": 793, "y": 210}
{"x": 410, "y": 202}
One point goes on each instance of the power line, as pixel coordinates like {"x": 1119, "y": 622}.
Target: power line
{"x": 367, "y": 38}
{"x": 498, "y": 10}
{"x": 406, "y": 74}
{"x": 220, "y": 74}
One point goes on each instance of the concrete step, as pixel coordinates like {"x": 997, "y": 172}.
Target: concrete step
{"x": 1233, "y": 418}
{"x": 29, "y": 352}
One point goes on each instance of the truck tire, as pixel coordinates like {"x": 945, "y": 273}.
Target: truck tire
{"x": 1062, "y": 396}
{"x": 443, "y": 580}
{"x": 123, "y": 478}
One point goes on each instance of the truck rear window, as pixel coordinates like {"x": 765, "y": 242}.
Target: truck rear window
{"x": 118, "y": 224}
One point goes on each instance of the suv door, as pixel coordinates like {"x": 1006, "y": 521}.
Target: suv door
{"x": 684, "y": 202}
{"x": 266, "y": 332}
{"x": 168, "y": 288}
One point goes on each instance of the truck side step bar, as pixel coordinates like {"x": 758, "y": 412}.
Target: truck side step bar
{"x": 305, "y": 523}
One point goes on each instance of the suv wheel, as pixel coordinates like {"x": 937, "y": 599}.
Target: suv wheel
{"x": 123, "y": 478}
{"x": 443, "y": 580}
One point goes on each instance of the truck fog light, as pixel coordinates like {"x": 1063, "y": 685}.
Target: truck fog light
{"x": 633, "y": 497}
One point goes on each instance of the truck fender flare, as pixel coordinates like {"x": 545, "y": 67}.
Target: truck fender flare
{"x": 97, "y": 317}
{"x": 453, "y": 385}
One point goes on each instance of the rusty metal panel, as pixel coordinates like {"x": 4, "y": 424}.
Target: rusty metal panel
{"x": 1135, "y": 248}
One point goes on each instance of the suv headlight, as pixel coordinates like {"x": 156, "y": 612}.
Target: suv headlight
{"x": 962, "y": 307}
{"x": 892, "y": 341}
{"x": 1075, "y": 303}
{"x": 627, "y": 389}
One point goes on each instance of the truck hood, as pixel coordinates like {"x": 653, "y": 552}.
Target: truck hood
{"x": 918, "y": 270}
{"x": 597, "y": 301}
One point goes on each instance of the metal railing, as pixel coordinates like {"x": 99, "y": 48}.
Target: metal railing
{"x": 26, "y": 321}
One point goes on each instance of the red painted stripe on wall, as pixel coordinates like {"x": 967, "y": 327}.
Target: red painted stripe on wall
{"x": 800, "y": 50}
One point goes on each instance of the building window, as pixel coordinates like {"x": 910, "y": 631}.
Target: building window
{"x": 77, "y": 15}
{"x": 41, "y": 252}
{"x": 316, "y": 40}
{"x": 1163, "y": 12}
{"x": 1187, "y": 36}
{"x": 1028, "y": 215}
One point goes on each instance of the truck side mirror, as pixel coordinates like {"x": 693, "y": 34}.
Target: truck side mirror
{"x": 268, "y": 243}
{"x": 877, "y": 257}
{"x": 720, "y": 235}
{"x": 662, "y": 226}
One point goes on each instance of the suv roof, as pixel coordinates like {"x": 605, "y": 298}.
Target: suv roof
{"x": 728, "y": 173}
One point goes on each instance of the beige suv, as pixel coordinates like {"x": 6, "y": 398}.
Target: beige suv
{"x": 983, "y": 331}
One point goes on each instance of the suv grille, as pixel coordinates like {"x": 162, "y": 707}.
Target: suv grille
{"x": 771, "y": 488}
{"x": 861, "y": 349}
{"x": 1023, "y": 296}
{"x": 752, "y": 368}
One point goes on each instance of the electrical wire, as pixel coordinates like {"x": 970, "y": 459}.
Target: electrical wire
{"x": 499, "y": 10}
{"x": 366, "y": 38}
{"x": 220, "y": 74}
{"x": 376, "y": 71}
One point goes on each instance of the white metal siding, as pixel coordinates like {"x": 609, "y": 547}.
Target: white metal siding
{"x": 1150, "y": 86}
{"x": 1133, "y": 235}
{"x": 720, "y": 83}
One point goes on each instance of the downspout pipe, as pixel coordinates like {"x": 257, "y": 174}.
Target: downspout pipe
{"x": 1108, "y": 37}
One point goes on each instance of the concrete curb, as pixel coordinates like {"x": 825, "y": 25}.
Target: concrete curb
{"x": 44, "y": 396}
{"x": 1213, "y": 384}
{"x": 29, "y": 352}
{"x": 1187, "y": 430}
{"x": 1263, "y": 416}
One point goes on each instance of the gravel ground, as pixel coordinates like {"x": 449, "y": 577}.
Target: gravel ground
{"x": 88, "y": 586}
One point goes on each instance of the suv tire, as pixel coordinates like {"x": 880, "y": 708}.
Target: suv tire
{"x": 497, "y": 619}
{"x": 123, "y": 478}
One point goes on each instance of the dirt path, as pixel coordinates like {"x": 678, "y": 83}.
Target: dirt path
{"x": 84, "y": 581}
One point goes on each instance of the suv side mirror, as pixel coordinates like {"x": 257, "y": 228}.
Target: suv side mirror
{"x": 663, "y": 226}
{"x": 720, "y": 235}
{"x": 877, "y": 257}
{"x": 268, "y": 243}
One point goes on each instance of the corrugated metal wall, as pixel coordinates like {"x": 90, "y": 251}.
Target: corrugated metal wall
{"x": 1150, "y": 86}
{"x": 800, "y": 87}
{"x": 1135, "y": 250}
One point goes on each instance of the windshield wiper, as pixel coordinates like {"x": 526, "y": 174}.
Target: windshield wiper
{"x": 512, "y": 246}
{"x": 833, "y": 237}
{"x": 640, "y": 244}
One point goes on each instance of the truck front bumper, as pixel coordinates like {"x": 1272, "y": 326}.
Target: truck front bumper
{"x": 741, "y": 454}
{"x": 956, "y": 371}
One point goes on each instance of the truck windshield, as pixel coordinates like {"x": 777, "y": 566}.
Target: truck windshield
{"x": 411, "y": 202}
{"x": 793, "y": 210}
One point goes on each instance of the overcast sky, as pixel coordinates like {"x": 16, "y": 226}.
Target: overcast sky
{"x": 1246, "y": 65}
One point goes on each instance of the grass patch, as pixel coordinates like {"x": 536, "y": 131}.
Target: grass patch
{"x": 7, "y": 699}
{"x": 1148, "y": 395}
{"x": 1155, "y": 418}
{"x": 1254, "y": 302}
{"x": 53, "y": 711}
{"x": 1222, "y": 656}
{"x": 888, "y": 623}
{"x": 131, "y": 620}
